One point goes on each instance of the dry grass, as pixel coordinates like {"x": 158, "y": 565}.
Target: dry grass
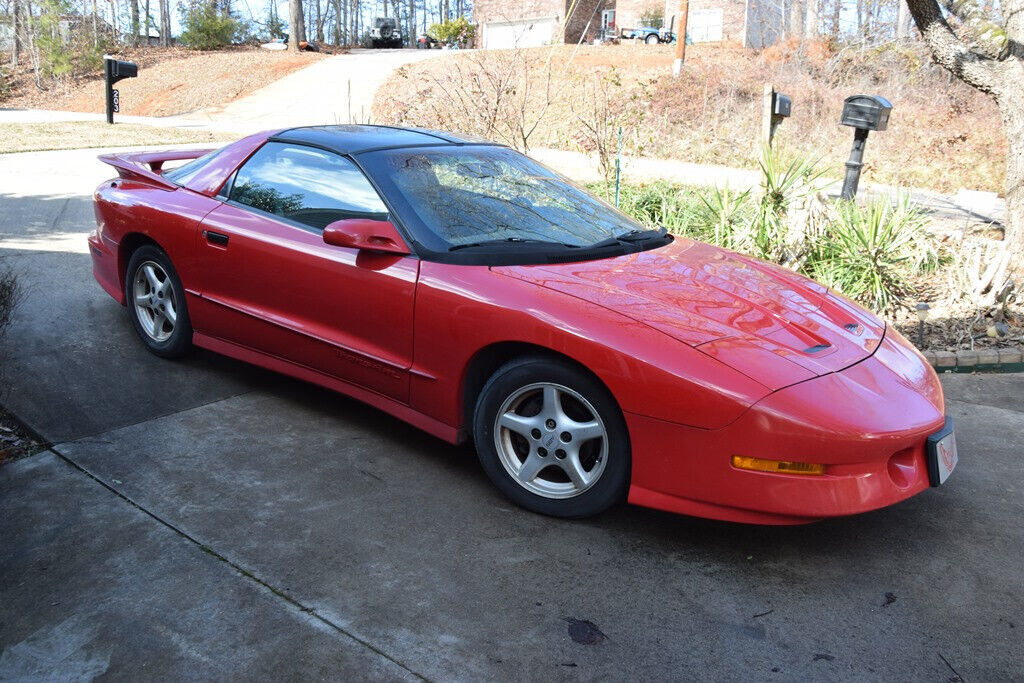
{"x": 37, "y": 137}
{"x": 942, "y": 135}
{"x": 171, "y": 81}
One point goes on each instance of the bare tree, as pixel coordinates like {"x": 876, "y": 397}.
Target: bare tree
{"x": 902, "y": 20}
{"x": 796, "y": 19}
{"x": 986, "y": 51}
{"x": 811, "y": 28}
{"x": 16, "y": 23}
{"x": 165, "y": 22}
{"x": 133, "y": 6}
{"x": 296, "y": 25}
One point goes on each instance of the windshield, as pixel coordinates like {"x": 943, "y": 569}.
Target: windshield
{"x": 463, "y": 197}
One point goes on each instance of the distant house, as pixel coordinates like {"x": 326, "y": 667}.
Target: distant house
{"x": 530, "y": 23}
{"x": 67, "y": 25}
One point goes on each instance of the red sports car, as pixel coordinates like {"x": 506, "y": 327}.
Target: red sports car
{"x": 466, "y": 289}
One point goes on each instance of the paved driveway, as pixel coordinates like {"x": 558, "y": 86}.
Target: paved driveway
{"x": 206, "y": 519}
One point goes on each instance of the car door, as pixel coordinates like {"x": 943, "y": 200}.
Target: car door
{"x": 270, "y": 283}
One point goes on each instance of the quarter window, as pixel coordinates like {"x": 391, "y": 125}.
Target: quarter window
{"x": 306, "y": 185}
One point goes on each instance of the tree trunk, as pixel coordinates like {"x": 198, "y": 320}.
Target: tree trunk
{"x": 165, "y": 23}
{"x": 811, "y": 28}
{"x": 1003, "y": 79}
{"x": 134, "y": 7}
{"x": 411, "y": 21}
{"x": 15, "y": 33}
{"x": 796, "y": 19}
{"x": 836, "y": 9}
{"x": 148, "y": 23}
{"x": 319, "y": 22}
{"x": 1011, "y": 106}
{"x": 902, "y": 20}
{"x": 337, "y": 21}
{"x": 296, "y": 25}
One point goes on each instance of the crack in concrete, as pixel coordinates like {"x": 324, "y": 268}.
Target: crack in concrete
{"x": 305, "y": 609}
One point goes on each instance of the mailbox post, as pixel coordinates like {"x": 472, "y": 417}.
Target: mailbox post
{"x": 863, "y": 113}
{"x": 776, "y": 108}
{"x": 113, "y": 71}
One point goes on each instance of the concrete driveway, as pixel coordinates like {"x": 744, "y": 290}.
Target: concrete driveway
{"x": 338, "y": 89}
{"x": 206, "y": 519}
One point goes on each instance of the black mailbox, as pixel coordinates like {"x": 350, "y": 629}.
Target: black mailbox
{"x": 867, "y": 112}
{"x": 116, "y": 69}
{"x": 782, "y": 106}
{"x": 113, "y": 71}
{"x": 864, "y": 113}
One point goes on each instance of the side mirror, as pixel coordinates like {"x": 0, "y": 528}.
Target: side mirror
{"x": 366, "y": 234}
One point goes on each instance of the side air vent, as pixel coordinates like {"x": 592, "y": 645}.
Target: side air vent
{"x": 816, "y": 348}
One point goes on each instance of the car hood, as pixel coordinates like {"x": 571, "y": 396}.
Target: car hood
{"x": 773, "y": 325}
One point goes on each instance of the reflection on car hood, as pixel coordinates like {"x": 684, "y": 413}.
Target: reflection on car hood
{"x": 773, "y": 325}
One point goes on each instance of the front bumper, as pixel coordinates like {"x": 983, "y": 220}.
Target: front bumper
{"x": 868, "y": 424}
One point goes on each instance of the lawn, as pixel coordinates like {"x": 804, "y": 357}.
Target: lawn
{"x": 37, "y": 137}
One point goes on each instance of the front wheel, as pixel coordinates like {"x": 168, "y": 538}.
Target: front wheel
{"x": 652, "y": 39}
{"x": 156, "y": 303}
{"x": 551, "y": 437}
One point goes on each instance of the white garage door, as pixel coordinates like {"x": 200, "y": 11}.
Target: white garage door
{"x": 704, "y": 25}
{"x": 527, "y": 33}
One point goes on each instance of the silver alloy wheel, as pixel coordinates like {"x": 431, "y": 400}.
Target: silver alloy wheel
{"x": 154, "y": 301}
{"x": 551, "y": 440}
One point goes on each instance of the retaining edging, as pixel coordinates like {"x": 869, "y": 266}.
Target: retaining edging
{"x": 979, "y": 360}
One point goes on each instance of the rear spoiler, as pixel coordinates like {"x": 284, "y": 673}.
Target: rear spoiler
{"x": 148, "y": 166}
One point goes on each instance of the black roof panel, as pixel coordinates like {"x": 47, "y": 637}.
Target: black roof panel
{"x": 352, "y": 139}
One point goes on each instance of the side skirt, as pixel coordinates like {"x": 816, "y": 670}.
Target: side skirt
{"x": 388, "y": 405}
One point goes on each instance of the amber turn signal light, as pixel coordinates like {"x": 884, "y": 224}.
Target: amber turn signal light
{"x": 743, "y": 462}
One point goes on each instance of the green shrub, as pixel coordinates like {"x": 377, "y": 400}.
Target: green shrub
{"x": 653, "y": 17}
{"x": 867, "y": 252}
{"x": 725, "y": 218}
{"x": 454, "y": 31}
{"x": 206, "y": 28}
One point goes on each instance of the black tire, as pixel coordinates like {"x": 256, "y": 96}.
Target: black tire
{"x": 179, "y": 341}
{"x": 652, "y": 39}
{"x": 611, "y": 482}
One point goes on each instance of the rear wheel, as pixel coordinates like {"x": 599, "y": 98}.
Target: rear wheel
{"x": 551, "y": 437}
{"x": 156, "y": 303}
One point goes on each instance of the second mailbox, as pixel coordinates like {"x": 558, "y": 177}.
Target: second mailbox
{"x": 867, "y": 112}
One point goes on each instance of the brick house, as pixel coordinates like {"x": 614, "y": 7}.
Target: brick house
{"x": 530, "y": 23}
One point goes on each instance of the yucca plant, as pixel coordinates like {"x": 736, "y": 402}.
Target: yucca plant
{"x": 724, "y": 217}
{"x": 786, "y": 181}
{"x": 867, "y": 252}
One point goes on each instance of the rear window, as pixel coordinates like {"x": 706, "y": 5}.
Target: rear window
{"x": 186, "y": 172}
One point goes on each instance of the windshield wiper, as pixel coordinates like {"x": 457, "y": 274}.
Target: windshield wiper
{"x": 510, "y": 240}
{"x": 639, "y": 235}
{"x": 631, "y": 237}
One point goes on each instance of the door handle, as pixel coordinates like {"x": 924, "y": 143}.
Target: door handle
{"x": 220, "y": 239}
